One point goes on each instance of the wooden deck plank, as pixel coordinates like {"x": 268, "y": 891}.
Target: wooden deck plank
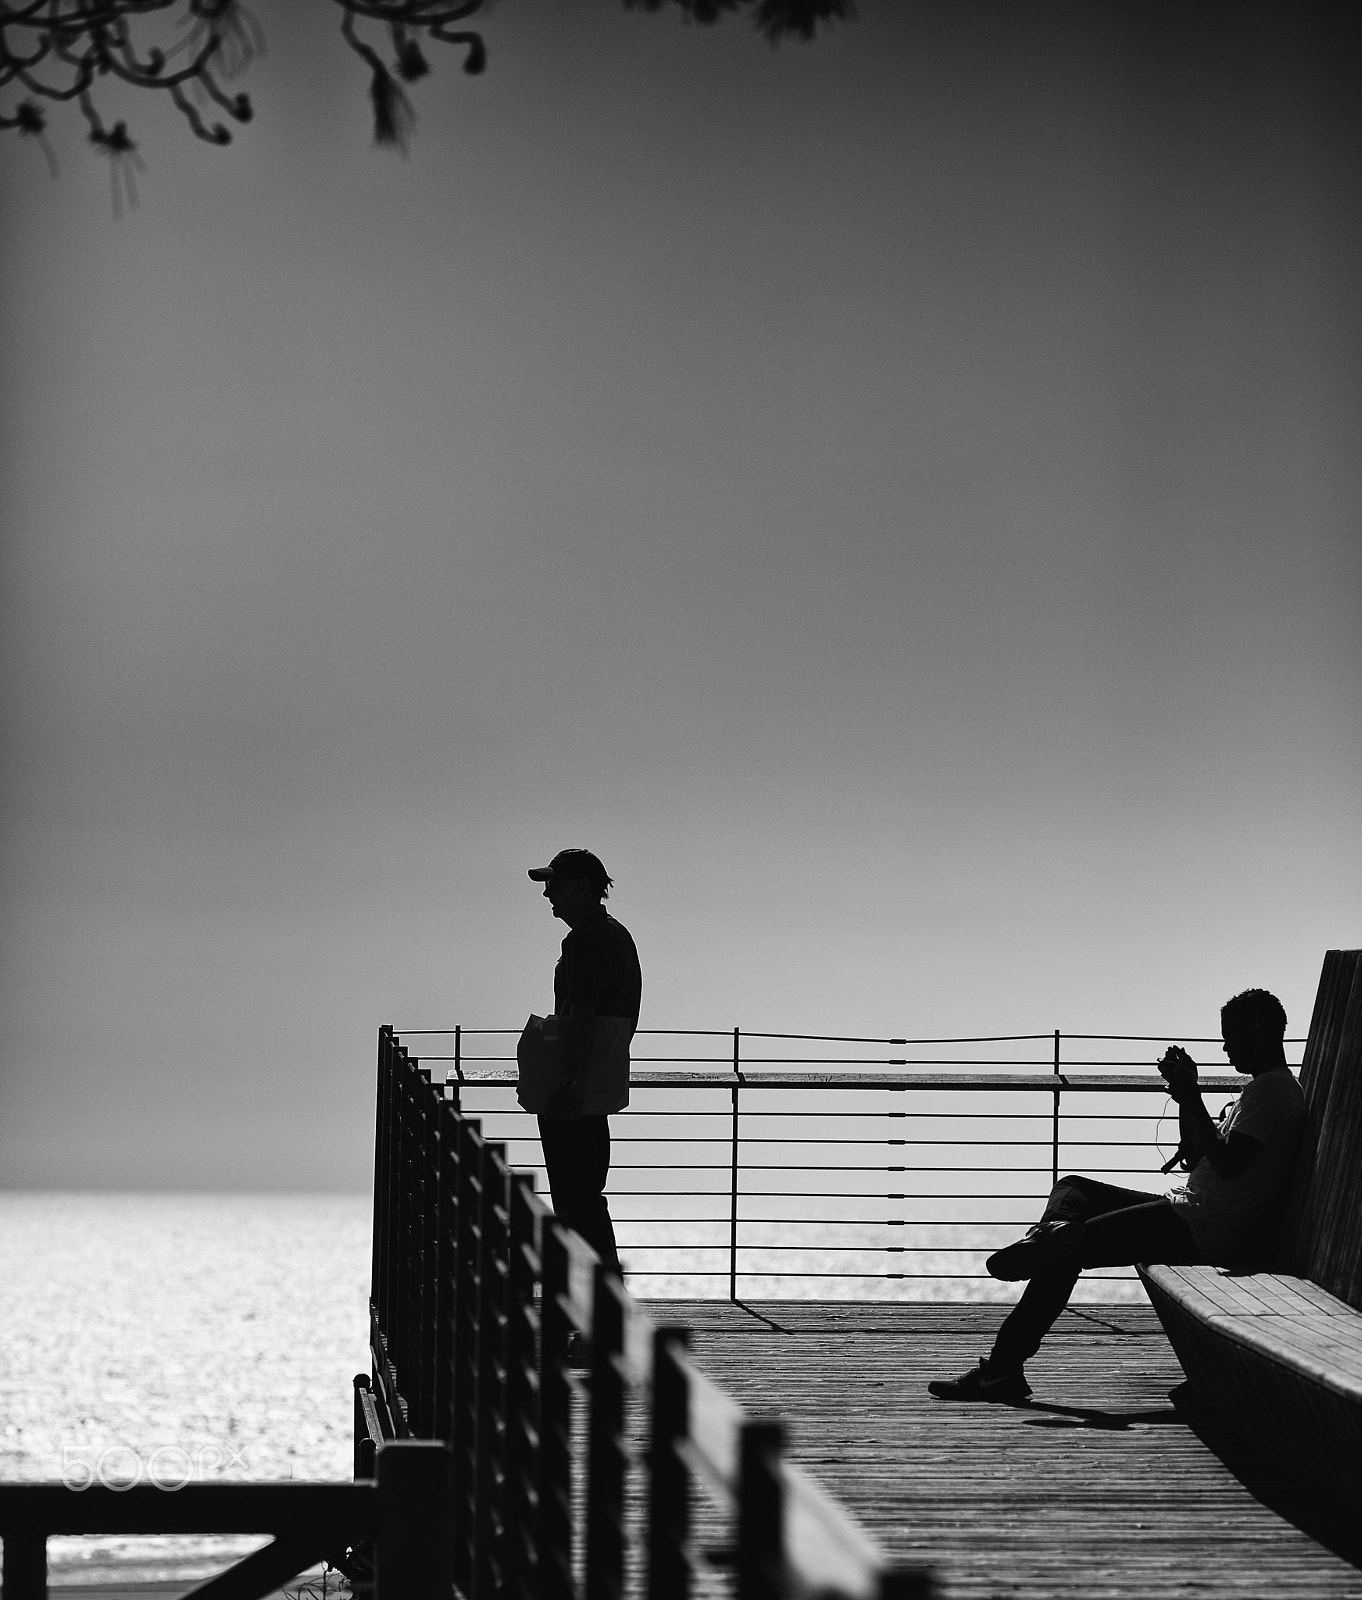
{"x": 1099, "y": 1487}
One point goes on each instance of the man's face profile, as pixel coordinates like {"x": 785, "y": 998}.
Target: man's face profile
{"x": 568, "y": 895}
{"x": 1242, "y": 1045}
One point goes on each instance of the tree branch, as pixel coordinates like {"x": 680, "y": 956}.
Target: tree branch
{"x": 78, "y": 42}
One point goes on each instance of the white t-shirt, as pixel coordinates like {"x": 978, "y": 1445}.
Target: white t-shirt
{"x": 1229, "y": 1216}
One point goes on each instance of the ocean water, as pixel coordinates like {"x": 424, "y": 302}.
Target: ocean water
{"x": 166, "y": 1337}
{"x": 173, "y": 1337}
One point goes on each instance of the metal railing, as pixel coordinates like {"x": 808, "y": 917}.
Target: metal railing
{"x": 646, "y": 1478}
{"x": 772, "y": 1165}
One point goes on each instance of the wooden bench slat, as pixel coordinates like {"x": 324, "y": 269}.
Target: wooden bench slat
{"x": 1277, "y": 1292}
{"x": 1333, "y": 1334}
{"x": 1322, "y": 1301}
{"x": 1305, "y": 1346}
{"x": 1196, "y": 1289}
{"x": 1240, "y": 1309}
{"x": 1267, "y": 1294}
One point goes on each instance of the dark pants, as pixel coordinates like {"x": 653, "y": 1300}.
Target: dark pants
{"x": 1119, "y": 1228}
{"x": 577, "y": 1155}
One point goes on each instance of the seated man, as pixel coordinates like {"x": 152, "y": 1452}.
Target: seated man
{"x": 1226, "y": 1212}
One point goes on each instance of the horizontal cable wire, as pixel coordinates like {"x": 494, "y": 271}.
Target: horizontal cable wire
{"x": 751, "y": 1112}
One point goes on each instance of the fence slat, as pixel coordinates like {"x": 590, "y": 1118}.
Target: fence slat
{"x": 412, "y": 1554}
{"x": 554, "y": 1522}
{"x": 606, "y": 1458}
{"x": 522, "y": 1390}
{"x": 489, "y": 1478}
{"x": 25, "y": 1567}
{"x": 669, "y": 1564}
{"x": 445, "y": 1310}
{"x": 464, "y": 1436}
{"x": 761, "y": 1513}
{"x": 262, "y": 1572}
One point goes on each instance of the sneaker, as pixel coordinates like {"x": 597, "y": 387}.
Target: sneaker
{"x": 1040, "y": 1247}
{"x": 982, "y": 1383}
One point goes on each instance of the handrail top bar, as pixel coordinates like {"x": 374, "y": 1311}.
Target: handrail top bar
{"x": 826, "y": 1038}
{"x": 1218, "y": 1083}
{"x": 219, "y": 1507}
{"x": 840, "y": 1038}
{"x": 490, "y": 1058}
{"x": 846, "y": 1552}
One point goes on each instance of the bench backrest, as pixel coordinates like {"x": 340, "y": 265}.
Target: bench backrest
{"x": 1322, "y": 1239}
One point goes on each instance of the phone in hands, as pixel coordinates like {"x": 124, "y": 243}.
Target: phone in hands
{"x": 1178, "y": 1071}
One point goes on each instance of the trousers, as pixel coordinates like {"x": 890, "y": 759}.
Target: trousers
{"x": 577, "y": 1158}
{"x": 1119, "y": 1228}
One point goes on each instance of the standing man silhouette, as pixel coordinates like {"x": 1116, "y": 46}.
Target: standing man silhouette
{"x": 597, "y": 986}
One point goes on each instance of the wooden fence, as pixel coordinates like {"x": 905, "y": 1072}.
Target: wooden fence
{"x": 639, "y": 1476}
{"x": 396, "y": 1519}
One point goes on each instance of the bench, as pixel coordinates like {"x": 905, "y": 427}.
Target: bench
{"x": 1280, "y": 1352}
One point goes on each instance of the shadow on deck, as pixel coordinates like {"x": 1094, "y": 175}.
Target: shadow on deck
{"x": 1101, "y": 1486}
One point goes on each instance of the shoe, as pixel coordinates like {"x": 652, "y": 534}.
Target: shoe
{"x": 1040, "y": 1247}
{"x": 981, "y": 1383}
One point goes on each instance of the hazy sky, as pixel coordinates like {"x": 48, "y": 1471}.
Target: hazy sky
{"x": 896, "y": 500}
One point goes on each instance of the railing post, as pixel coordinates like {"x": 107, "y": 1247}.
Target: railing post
{"x": 1054, "y": 1128}
{"x": 404, "y": 1327}
{"x": 364, "y": 1443}
{"x": 907, "y": 1583}
{"x": 669, "y": 1567}
{"x": 25, "y": 1570}
{"x": 446, "y": 1308}
{"x": 520, "y": 1575}
{"x": 426, "y": 1233}
{"x": 467, "y": 1375}
{"x": 412, "y": 1546}
{"x": 733, "y": 1179}
{"x": 489, "y": 1552}
{"x": 605, "y": 1441}
{"x": 553, "y": 1536}
{"x": 458, "y": 1065}
{"x": 380, "y": 1309}
{"x": 761, "y": 1513}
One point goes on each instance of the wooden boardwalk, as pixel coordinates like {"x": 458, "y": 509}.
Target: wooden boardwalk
{"x": 1101, "y": 1486}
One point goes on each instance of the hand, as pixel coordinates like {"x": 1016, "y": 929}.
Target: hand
{"x": 1184, "y": 1160}
{"x": 1179, "y": 1072}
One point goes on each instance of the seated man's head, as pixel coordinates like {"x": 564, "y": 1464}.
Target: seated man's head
{"x": 1253, "y": 1025}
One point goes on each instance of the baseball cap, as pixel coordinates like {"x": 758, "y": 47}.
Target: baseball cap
{"x": 574, "y": 864}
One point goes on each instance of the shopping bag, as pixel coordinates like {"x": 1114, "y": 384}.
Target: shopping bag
{"x": 539, "y": 1065}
